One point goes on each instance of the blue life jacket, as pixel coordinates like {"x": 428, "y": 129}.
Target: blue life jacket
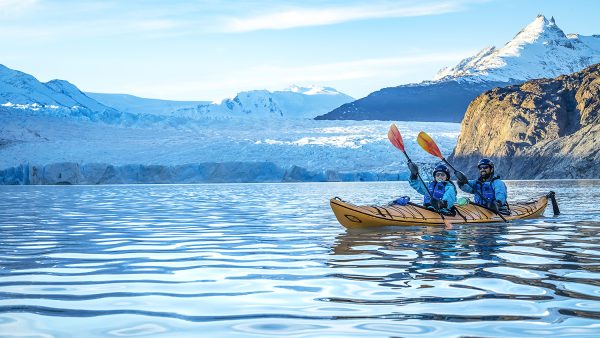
{"x": 486, "y": 190}
{"x": 437, "y": 189}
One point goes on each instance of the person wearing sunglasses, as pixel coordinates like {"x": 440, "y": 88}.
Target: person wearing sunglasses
{"x": 442, "y": 192}
{"x": 489, "y": 190}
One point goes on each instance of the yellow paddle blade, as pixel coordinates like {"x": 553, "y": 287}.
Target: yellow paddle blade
{"x": 428, "y": 144}
{"x": 395, "y": 137}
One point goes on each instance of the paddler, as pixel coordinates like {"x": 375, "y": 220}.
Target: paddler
{"x": 442, "y": 192}
{"x": 489, "y": 190}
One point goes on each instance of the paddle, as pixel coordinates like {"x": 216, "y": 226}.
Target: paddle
{"x": 428, "y": 144}
{"x": 396, "y": 139}
{"x": 552, "y": 196}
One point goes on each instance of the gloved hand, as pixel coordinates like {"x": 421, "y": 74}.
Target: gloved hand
{"x": 438, "y": 204}
{"x": 499, "y": 208}
{"x": 461, "y": 178}
{"x": 414, "y": 171}
{"x": 502, "y": 208}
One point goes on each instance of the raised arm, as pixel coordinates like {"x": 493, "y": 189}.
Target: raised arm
{"x": 467, "y": 187}
{"x": 417, "y": 185}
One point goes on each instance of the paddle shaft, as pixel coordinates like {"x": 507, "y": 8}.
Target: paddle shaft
{"x": 405, "y": 154}
{"x": 446, "y": 222}
{"x": 490, "y": 209}
{"x": 419, "y": 176}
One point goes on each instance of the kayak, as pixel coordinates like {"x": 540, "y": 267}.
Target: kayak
{"x": 362, "y": 216}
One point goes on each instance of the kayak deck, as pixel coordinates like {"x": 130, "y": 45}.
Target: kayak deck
{"x": 355, "y": 216}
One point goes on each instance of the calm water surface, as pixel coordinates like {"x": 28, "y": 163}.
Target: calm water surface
{"x": 256, "y": 260}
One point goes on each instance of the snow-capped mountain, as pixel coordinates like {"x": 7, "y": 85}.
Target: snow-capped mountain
{"x": 312, "y": 90}
{"x": 293, "y": 102}
{"x": 539, "y": 50}
{"x": 24, "y": 92}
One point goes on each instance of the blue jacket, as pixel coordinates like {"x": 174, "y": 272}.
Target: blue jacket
{"x": 498, "y": 190}
{"x": 449, "y": 193}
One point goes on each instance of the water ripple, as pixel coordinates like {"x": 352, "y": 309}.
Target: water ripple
{"x": 242, "y": 260}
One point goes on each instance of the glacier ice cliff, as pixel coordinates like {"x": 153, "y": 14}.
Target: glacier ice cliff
{"x": 228, "y": 172}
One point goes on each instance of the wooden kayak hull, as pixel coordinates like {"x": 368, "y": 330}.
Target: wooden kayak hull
{"x": 356, "y": 216}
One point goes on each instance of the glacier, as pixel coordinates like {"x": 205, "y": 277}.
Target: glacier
{"x": 52, "y": 133}
{"x": 46, "y": 149}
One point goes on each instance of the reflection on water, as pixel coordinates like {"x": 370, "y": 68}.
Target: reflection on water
{"x": 479, "y": 265}
{"x": 241, "y": 260}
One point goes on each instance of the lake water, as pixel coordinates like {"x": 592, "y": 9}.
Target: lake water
{"x": 258, "y": 260}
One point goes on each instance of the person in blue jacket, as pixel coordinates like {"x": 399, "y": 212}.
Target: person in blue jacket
{"x": 489, "y": 190}
{"x": 442, "y": 193}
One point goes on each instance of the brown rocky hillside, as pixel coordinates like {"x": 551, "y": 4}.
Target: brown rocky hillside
{"x": 546, "y": 128}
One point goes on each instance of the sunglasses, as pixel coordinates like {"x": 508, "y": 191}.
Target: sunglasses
{"x": 440, "y": 173}
{"x": 484, "y": 166}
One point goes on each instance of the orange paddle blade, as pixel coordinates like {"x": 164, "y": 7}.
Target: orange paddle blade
{"x": 428, "y": 144}
{"x": 395, "y": 137}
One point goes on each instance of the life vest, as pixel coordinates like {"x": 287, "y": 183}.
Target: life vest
{"x": 486, "y": 189}
{"x": 437, "y": 189}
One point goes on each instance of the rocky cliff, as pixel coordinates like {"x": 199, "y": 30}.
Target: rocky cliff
{"x": 546, "y": 128}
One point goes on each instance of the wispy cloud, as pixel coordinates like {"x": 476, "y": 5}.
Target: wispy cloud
{"x": 355, "y": 69}
{"x": 300, "y": 17}
{"x": 277, "y": 77}
{"x": 161, "y": 19}
{"x": 11, "y": 7}
{"x": 155, "y": 25}
{"x": 60, "y": 20}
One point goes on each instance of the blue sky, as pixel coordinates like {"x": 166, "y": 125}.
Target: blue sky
{"x": 209, "y": 49}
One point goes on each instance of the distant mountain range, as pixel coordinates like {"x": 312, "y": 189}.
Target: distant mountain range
{"x": 293, "y": 102}
{"x": 23, "y": 92}
{"x": 540, "y": 50}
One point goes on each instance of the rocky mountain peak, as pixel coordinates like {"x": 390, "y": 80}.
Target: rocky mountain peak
{"x": 540, "y": 49}
{"x": 540, "y": 28}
